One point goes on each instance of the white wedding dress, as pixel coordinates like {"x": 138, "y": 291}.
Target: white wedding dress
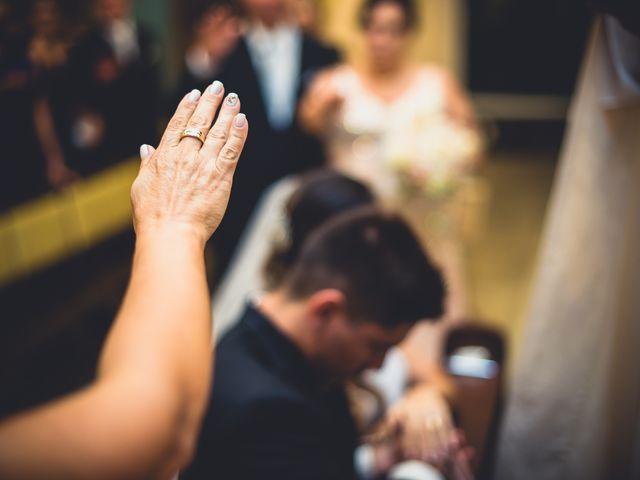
{"x": 573, "y": 410}
{"x": 369, "y": 133}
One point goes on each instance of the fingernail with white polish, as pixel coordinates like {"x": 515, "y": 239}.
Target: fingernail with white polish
{"x": 194, "y": 95}
{"x": 240, "y": 120}
{"x": 216, "y": 87}
{"x": 145, "y": 151}
{"x": 232, "y": 99}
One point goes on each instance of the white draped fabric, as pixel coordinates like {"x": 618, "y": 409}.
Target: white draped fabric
{"x": 573, "y": 409}
{"x": 244, "y": 279}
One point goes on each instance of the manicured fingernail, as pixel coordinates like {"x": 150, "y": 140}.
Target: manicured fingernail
{"x": 216, "y": 87}
{"x": 145, "y": 151}
{"x": 194, "y": 95}
{"x": 240, "y": 120}
{"x": 232, "y": 99}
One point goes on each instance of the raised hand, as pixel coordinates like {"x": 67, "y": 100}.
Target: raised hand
{"x": 320, "y": 103}
{"x": 185, "y": 183}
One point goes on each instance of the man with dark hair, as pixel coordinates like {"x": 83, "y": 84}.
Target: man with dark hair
{"x": 278, "y": 407}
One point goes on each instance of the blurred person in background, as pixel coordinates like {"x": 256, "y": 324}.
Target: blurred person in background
{"x": 407, "y": 130}
{"x": 50, "y": 48}
{"x": 307, "y": 14}
{"x": 410, "y": 389}
{"x": 34, "y": 56}
{"x": 270, "y": 64}
{"x": 279, "y": 408}
{"x": 215, "y": 28}
{"x": 141, "y": 415}
{"x": 115, "y": 80}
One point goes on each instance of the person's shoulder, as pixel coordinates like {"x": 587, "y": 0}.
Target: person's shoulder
{"x": 239, "y": 52}
{"x": 321, "y": 49}
{"x": 246, "y": 385}
{"x": 243, "y": 380}
{"x": 435, "y": 72}
{"x": 343, "y": 71}
{"x": 318, "y": 43}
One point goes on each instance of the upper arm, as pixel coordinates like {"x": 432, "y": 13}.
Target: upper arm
{"x": 94, "y": 434}
{"x": 333, "y": 56}
{"x": 314, "y": 106}
{"x": 458, "y": 100}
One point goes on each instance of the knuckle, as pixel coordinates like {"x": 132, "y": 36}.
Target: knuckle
{"x": 229, "y": 153}
{"x": 177, "y": 123}
{"x": 218, "y": 133}
{"x": 199, "y": 120}
{"x": 222, "y": 169}
{"x": 136, "y": 190}
{"x": 239, "y": 136}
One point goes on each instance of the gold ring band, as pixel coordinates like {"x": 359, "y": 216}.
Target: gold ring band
{"x": 193, "y": 133}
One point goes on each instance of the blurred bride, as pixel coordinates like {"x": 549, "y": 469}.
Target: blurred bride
{"x": 407, "y": 130}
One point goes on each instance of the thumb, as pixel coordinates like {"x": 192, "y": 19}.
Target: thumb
{"x": 146, "y": 151}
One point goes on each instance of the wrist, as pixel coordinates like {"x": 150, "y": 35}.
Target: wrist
{"x": 170, "y": 235}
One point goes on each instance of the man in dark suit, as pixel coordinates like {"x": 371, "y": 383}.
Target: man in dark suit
{"x": 278, "y": 408}
{"x": 269, "y": 67}
{"x": 115, "y": 79}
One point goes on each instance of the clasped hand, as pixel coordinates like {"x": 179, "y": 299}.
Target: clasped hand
{"x": 419, "y": 427}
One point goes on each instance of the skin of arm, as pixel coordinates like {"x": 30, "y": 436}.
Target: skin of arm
{"x": 458, "y": 101}
{"x": 140, "y": 418}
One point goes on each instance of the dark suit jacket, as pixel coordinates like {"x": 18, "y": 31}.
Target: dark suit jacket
{"x": 268, "y": 154}
{"x": 270, "y": 415}
{"x": 125, "y": 96}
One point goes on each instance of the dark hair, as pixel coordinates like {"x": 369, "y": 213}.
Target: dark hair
{"x": 376, "y": 261}
{"x": 407, "y": 6}
{"x": 320, "y": 195}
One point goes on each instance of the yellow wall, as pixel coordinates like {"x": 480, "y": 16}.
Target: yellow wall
{"x": 48, "y": 229}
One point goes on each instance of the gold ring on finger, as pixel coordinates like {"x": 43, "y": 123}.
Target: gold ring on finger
{"x": 193, "y": 133}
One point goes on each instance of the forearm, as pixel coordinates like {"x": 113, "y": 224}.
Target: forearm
{"x": 164, "y": 327}
{"x": 314, "y": 118}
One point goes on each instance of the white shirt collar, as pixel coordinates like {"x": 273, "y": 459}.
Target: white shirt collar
{"x": 276, "y": 55}
{"x": 122, "y": 35}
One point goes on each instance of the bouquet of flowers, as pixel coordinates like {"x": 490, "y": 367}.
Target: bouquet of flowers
{"x": 432, "y": 155}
